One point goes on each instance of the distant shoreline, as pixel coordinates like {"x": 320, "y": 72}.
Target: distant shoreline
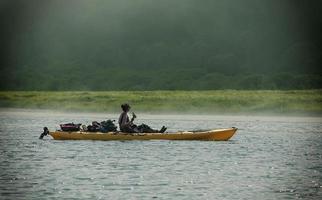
{"x": 218, "y": 102}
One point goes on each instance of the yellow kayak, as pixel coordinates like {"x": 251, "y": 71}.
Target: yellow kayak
{"x": 213, "y": 135}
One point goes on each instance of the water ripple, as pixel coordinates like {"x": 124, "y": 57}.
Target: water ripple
{"x": 269, "y": 158}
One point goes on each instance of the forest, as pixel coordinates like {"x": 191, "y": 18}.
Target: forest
{"x": 160, "y": 45}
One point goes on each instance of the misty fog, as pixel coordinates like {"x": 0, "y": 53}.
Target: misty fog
{"x": 149, "y": 44}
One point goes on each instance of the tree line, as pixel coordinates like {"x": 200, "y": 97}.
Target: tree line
{"x": 154, "y": 45}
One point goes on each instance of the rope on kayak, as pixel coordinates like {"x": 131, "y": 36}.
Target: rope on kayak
{"x": 46, "y": 132}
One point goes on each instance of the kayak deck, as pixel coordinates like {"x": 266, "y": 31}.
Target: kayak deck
{"x": 211, "y": 135}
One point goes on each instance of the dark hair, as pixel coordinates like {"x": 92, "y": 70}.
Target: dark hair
{"x": 125, "y": 106}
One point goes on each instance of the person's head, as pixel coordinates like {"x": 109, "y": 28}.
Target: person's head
{"x": 125, "y": 107}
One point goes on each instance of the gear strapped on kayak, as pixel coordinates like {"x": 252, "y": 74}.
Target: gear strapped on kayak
{"x": 125, "y": 125}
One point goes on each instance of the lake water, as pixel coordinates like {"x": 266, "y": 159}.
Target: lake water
{"x": 268, "y": 158}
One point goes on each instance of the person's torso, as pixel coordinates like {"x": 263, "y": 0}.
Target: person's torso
{"x": 124, "y": 119}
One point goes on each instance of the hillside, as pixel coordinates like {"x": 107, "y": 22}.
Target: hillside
{"x": 153, "y": 45}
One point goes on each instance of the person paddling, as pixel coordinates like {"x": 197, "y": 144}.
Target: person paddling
{"x": 127, "y": 126}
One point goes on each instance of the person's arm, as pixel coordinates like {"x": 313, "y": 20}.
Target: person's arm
{"x": 121, "y": 120}
{"x": 133, "y": 117}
